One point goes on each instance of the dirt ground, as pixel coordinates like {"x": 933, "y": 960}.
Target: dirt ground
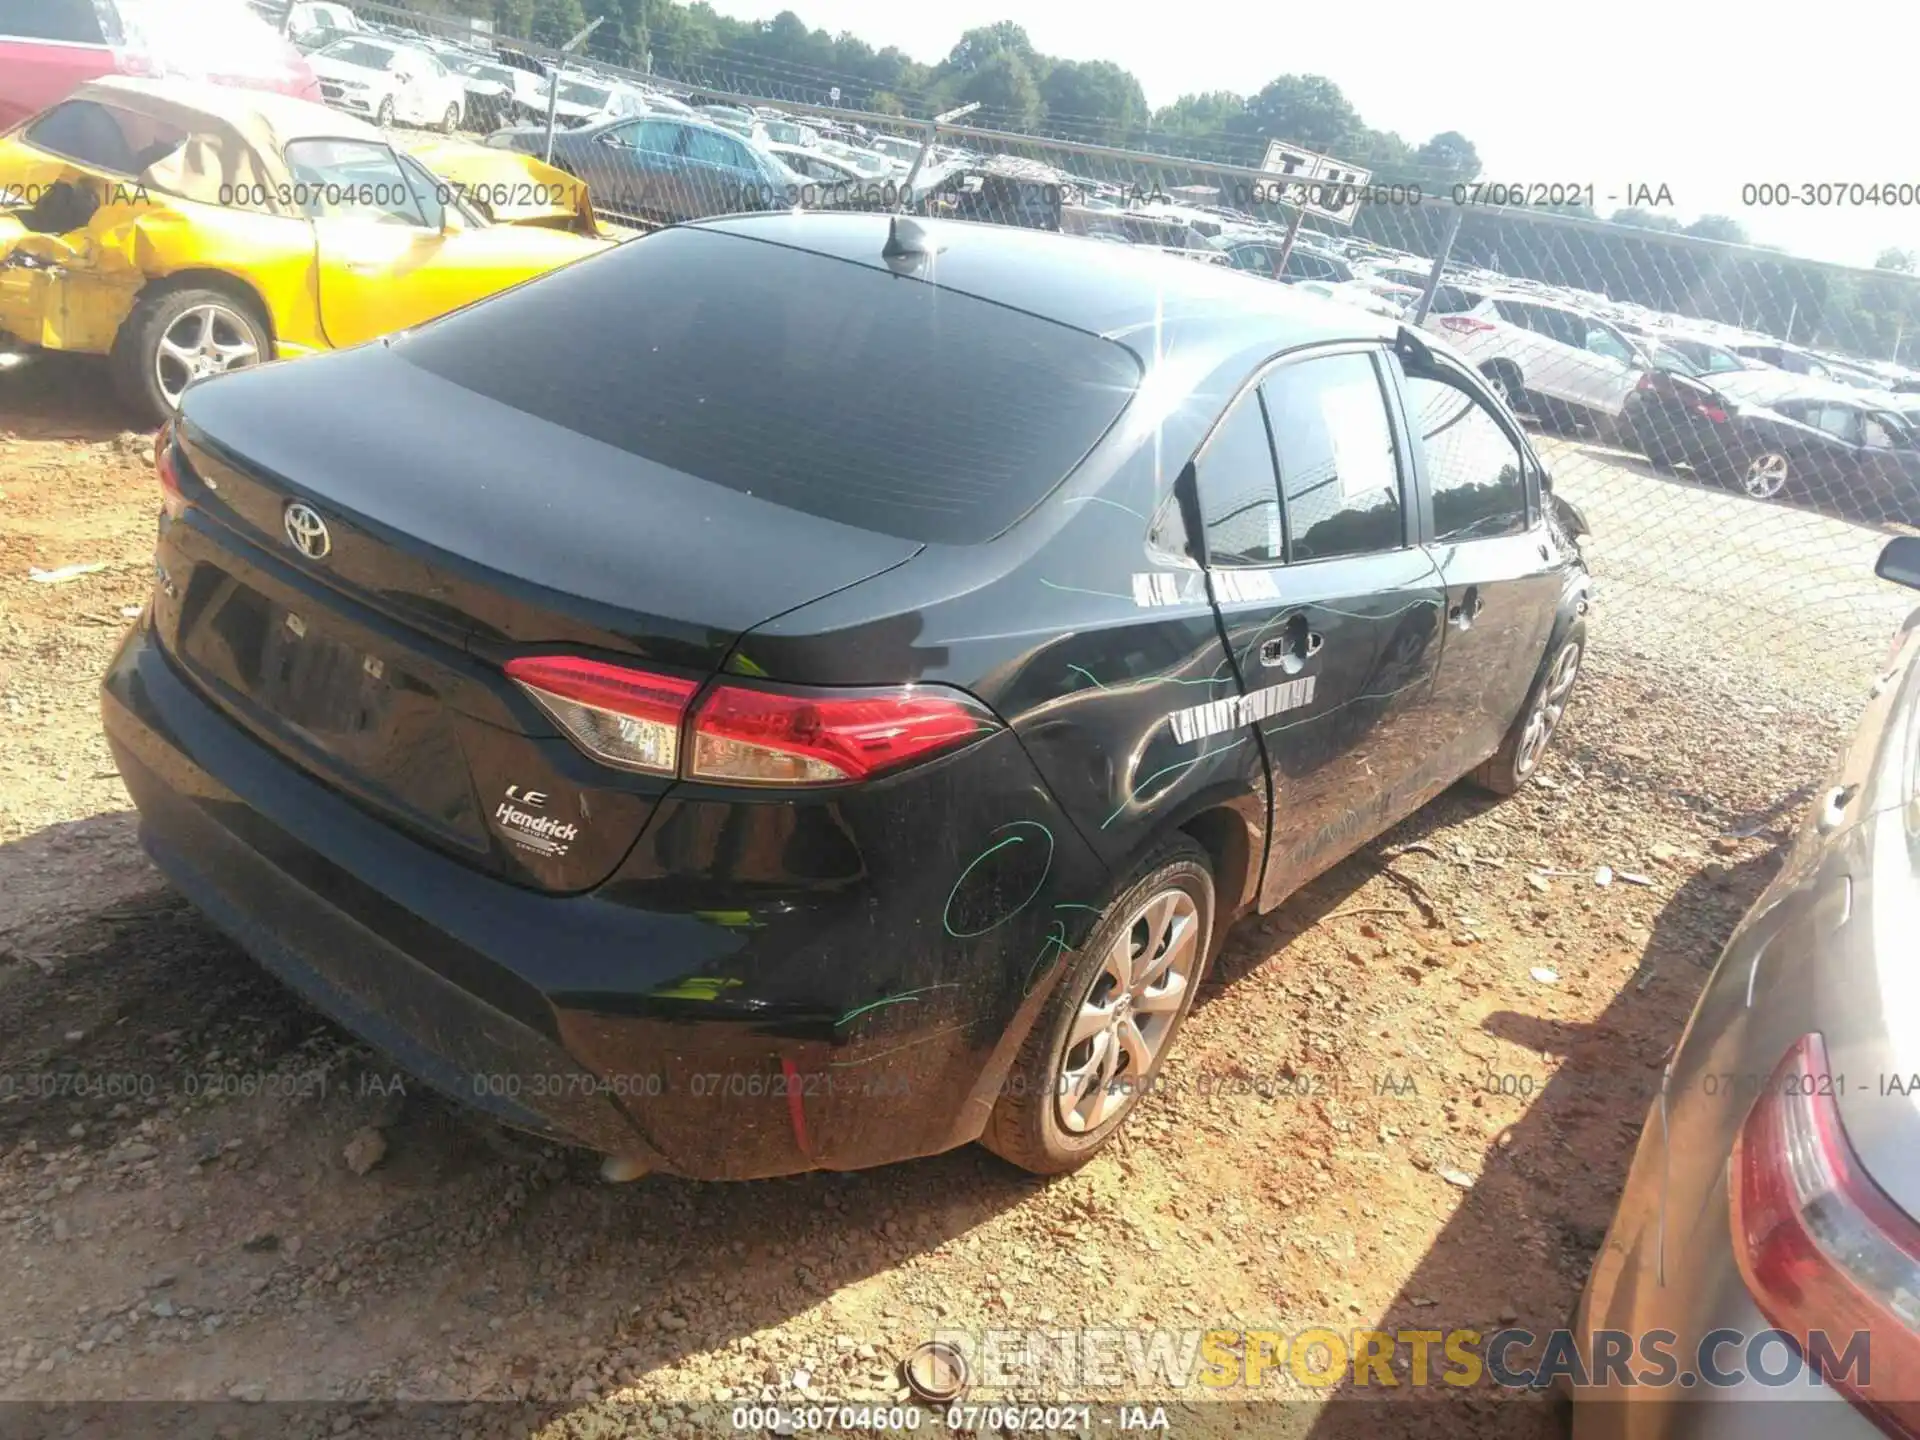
{"x": 1406, "y": 1100}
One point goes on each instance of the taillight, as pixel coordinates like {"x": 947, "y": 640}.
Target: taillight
{"x": 628, "y": 718}
{"x": 166, "y": 467}
{"x": 786, "y": 736}
{"x": 1711, "y": 412}
{"x": 1464, "y": 324}
{"x": 782, "y": 737}
{"x": 1821, "y": 1246}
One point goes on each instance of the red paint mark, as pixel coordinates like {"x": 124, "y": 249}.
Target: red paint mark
{"x": 796, "y": 1107}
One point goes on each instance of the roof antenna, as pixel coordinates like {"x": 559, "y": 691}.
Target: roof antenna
{"x": 906, "y": 238}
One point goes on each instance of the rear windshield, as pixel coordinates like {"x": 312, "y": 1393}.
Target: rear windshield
{"x": 733, "y": 359}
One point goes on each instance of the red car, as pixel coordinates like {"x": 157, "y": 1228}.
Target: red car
{"x": 47, "y": 47}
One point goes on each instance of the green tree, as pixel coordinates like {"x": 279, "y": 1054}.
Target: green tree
{"x": 1092, "y": 100}
{"x": 1307, "y": 110}
{"x": 981, "y": 45}
{"x": 1896, "y": 259}
{"x": 1448, "y": 157}
{"x": 1004, "y": 88}
{"x": 1718, "y": 227}
{"x": 1212, "y": 113}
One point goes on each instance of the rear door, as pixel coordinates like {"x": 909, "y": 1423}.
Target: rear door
{"x": 718, "y": 176}
{"x": 1498, "y": 559}
{"x": 1330, "y": 609}
{"x": 1608, "y": 368}
{"x": 1553, "y": 360}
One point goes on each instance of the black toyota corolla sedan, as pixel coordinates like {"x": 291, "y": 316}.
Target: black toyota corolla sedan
{"x": 583, "y": 700}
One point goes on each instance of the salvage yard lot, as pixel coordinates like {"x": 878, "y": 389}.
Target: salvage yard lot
{"x": 1406, "y": 1100}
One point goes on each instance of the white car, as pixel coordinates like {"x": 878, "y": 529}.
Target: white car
{"x": 315, "y": 24}
{"x": 588, "y": 100}
{"x": 387, "y": 82}
{"x": 1345, "y": 292}
{"x": 1540, "y": 356}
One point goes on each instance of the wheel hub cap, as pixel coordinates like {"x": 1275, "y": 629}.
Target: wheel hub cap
{"x": 1127, "y": 1013}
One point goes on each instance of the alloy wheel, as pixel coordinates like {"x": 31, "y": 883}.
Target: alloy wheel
{"x": 384, "y": 116}
{"x": 204, "y": 340}
{"x": 1548, "y": 708}
{"x": 1128, "y": 1012}
{"x": 452, "y": 122}
{"x": 1766, "y": 476}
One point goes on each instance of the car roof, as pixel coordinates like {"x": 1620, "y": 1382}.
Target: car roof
{"x": 1103, "y": 289}
{"x": 266, "y": 119}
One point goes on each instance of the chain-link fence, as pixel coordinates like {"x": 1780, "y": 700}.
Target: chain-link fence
{"x": 1732, "y": 421}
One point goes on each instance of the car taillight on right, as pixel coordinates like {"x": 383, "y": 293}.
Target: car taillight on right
{"x": 1464, "y": 324}
{"x": 1710, "y": 412}
{"x": 1821, "y": 1247}
{"x": 763, "y": 735}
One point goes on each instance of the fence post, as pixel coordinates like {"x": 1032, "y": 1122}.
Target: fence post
{"x": 1439, "y": 264}
{"x": 1286, "y": 245}
{"x": 926, "y": 149}
{"x": 553, "y": 81}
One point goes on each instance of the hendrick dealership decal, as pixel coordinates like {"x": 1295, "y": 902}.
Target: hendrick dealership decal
{"x": 542, "y": 834}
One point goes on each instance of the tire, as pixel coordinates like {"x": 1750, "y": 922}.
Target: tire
{"x": 450, "y": 123}
{"x": 1765, "y": 475}
{"x": 383, "y": 117}
{"x": 1519, "y": 754}
{"x": 172, "y": 337}
{"x": 1043, "y": 1123}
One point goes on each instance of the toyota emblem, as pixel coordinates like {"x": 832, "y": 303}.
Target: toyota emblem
{"x": 307, "y": 532}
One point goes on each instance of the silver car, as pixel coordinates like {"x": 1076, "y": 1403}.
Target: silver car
{"x": 1766, "y": 1242}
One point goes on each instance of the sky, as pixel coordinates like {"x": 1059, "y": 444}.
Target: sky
{"x": 1702, "y": 99}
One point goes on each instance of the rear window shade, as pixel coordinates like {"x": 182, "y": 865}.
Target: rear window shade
{"x": 846, "y": 392}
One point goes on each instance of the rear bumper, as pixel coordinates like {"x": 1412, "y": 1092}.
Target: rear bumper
{"x": 682, "y": 1038}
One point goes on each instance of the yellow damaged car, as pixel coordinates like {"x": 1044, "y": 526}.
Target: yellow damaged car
{"x": 185, "y": 229}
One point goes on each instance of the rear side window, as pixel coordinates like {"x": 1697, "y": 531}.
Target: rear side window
{"x": 70, "y": 22}
{"x": 105, "y": 136}
{"x": 1474, "y": 469}
{"x": 1339, "y": 475}
{"x": 718, "y": 356}
{"x": 1239, "y": 493}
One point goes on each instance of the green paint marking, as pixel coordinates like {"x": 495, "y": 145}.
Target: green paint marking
{"x": 1069, "y": 905}
{"x": 869, "y": 1059}
{"x": 946, "y": 914}
{"x": 1167, "y": 770}
{"x": 1081, "y": 670}
{"x": 899, "y": 999}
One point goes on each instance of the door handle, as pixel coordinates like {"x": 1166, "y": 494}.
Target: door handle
{"x": 1462, "y": 616}
{"x": 1293, "y": 649}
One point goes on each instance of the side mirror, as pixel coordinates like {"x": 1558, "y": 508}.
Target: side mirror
{"x": 1900, "y": 561}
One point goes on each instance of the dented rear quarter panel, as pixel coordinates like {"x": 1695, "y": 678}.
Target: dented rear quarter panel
{"x": 86, "y": 281}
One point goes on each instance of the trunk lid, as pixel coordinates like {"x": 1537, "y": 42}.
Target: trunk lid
{"x": 459, "y": 532}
